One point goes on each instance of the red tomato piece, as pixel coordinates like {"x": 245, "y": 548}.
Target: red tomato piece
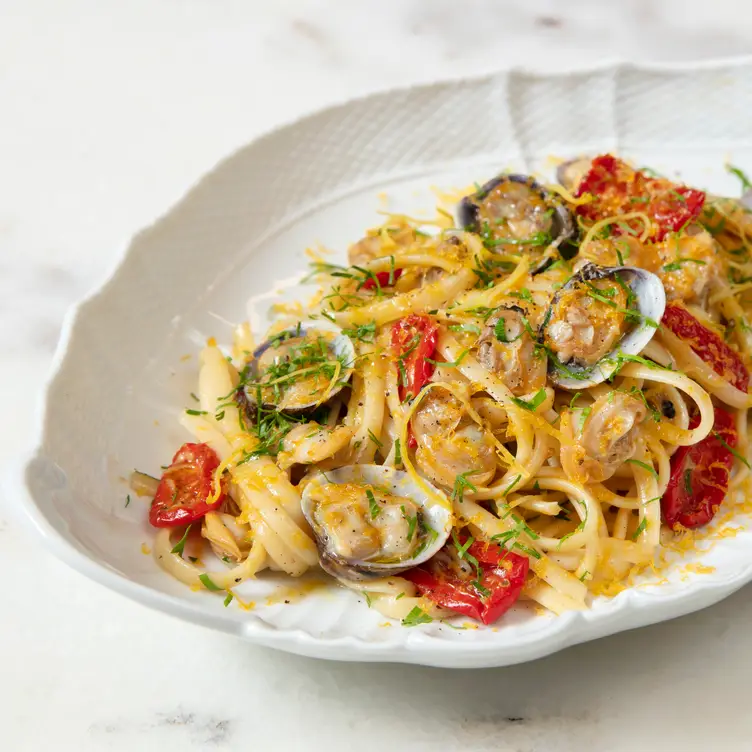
{"x": 383, "y": 278}
{"x": 502, "y": 576}
{"x": 723, "y": 359}
{"x": 700, "y": 475}
{"x": 619, "y": 189}
{"x": 185, "y": 486}
{"x": 413, "y": 340}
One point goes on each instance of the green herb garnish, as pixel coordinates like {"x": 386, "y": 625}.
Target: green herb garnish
{"x": 379, "y": 445}
{"x": 180, "y": 545}
{"x": 208, "y": 584}
{"x": 746, "y": 184}
{"x": 644, "y": 466}
{"x": 412, "y": 522}
{"x": 733, "y": 451}
{"x": 397, "y": 452}
{"x": 415, "y": 617}
{"x": 461, "y": 484}
{"x": 643, "y": 524}
{"x": 533, "y": 404}
{"x": 373, "y": 505}
{"x": 451, "y": 364}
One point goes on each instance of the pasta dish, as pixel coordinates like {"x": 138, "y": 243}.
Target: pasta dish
{"x": 527, "y": 399}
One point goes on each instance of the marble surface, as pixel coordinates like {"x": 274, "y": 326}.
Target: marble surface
{"x": 108, "y": 112}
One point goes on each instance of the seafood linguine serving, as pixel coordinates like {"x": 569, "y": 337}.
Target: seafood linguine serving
{"x": 528, "y": 400}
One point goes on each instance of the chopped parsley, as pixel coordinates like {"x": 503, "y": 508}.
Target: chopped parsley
{"x": 533, "y": 404}
{"x": 517, "y": 478}
{"x": 471, "y": 328}
{"x": 397, "y": 452}
{"x": 412, "y": 522}
{"x": 450, "y": 364}
{"x": 228, "y": 599}
{"x": 127, "y": 500}
{"x": 431, "y": 536}
{"x": 676, "y": 266}
{"x": 482, "y": 311}
{"x": 208, "y": 584}
{"x": 688, "y": 481}
{"x": 180, "y": 545}
{"x": 364, "y": 333}
{"x": 574, "y": 399}
{"x": 373, "y": 505}
{"x": 733, "y": 451}
{"x": 461, "y": 484}
{"x": 643, "y": 524}
{"x": 379, "y": 445}
{"x": 501, "y": 332}
{"x": 522, "y": 294}
{"x": 746, "y": 184}
{"x": 644, "y": 466}
{"x": 512, "y": 535}
{"x": 415, "y": 617}
{"x": 462, "y": 547}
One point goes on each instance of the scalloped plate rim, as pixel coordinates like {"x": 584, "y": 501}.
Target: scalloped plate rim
{"x": 417, "y": 648}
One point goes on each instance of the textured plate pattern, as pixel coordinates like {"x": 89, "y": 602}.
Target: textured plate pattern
{"x": 119, "y": 382}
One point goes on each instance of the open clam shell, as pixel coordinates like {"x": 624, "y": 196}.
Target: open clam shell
{"x": 569, "y": 174}
{"x": 650, "y": 302}
{"x": 307, "y": 341}
{"x": 431, "y": 531}
{"x": 512, "y": 209}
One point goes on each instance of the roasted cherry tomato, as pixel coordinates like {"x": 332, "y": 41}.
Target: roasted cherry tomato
{"x": 383, "y": 278}
{"x": 502, "y": 576}
{"x": 700, "y": 475}
{"x": 619, "y": 189}
{"x": 724, "y": 360}
{"x": 185, "y": 486}
{"x": 413, "y": 340}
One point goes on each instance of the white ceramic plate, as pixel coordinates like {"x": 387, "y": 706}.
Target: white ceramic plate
{"x": 121, "y": 379}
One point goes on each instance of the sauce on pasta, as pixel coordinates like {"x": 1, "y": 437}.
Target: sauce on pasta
{"x": 526, "y": 402}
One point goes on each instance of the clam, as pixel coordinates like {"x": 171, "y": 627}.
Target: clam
{"x": 603, "y": 439}
{"x": 570, "y": 173}
{"x": 450, "y": 443}
{"x": 515, "y": 211}
{"x": 372, "y": 521}
{"x": 600, "y": 312}
{"x": 300, "y": 368}
{"x": 510, "y": 352}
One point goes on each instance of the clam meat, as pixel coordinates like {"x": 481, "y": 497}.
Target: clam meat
{"x": 372, "y": 521}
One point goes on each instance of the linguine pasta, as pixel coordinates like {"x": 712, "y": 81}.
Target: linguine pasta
{"x": 526, "y": 403}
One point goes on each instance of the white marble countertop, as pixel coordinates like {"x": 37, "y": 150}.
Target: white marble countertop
{"x": 108, "y": 112}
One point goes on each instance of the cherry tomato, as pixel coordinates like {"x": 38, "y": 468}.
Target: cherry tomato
{"x": 383, "y": 278}
{"x": 502, "y": 576}
{"x": 413, "y": 340}
{"x": 619, "y": 189}
{"x": 723, "y": 359}
{"x": 185, "y": 486}
{"x": 700, "y": 475}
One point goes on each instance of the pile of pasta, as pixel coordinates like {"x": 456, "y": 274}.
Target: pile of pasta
{"x": 579, "y": 536}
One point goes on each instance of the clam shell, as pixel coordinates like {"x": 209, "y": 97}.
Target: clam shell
{"x": 569, "y": 174}
{"x": 563, "y": 227}
{"x": 341, "y": 346}
{"x": 436, "y": 509}
{"x": 651, "y": 302}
